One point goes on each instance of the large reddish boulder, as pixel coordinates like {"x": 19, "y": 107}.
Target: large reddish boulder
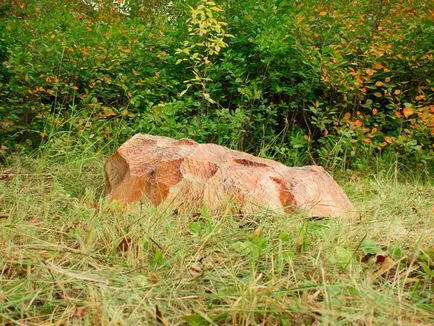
{"x": 185, "y": 174}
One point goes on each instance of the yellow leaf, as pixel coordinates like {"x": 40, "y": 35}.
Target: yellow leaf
{"x": 208, "y": 98}
{"x": 379, "y": 83}
{"x": 323, "y": 13}
{"x": 370, "y": 71}
{"x": 185, "y": 90}
{"x": 300, "y": 19}
{"x": 397, "y": 92}
{"x": 387, "y": 79}
{"x": 407, "y": 112}
{"x": 387, "y": 265}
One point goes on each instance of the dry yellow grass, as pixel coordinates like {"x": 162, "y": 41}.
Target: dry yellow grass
{"x": 66, "y": 256}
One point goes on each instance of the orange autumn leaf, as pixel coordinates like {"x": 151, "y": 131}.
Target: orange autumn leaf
{"x": 300, "y": 19}
{"x": 397, "y": 92}
{"x": 386, "y": 265}
{"x": 374, "y": 111}
{"x": 387, "y": 79}
{"x": 378, "y": 66}
{"x": 407, "y": 112}
{"x": 357, "y": 123}
{"x": 379, "y": 83}
{"x": 388, "y": 139}
{"x": 370, "y": 71}
{"x": 323, "y": 13}
{"x": 367, "y": 140}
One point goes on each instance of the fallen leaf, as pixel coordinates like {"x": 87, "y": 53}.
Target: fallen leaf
{"x": 196, "y": 270}
{"x": 257, "y": 232}
{"x": 125, "y": 245}
{"x": 159, "y": 316}
{"x": 6, "y": 175}
{"x": 92, "y": 204}
{"x": 80, "y": 312}
{"x": 153, "y": 278}
{"x": 367, "y": 257}
{"x": 387, "y": 265}
{"x": 380, "y": 259}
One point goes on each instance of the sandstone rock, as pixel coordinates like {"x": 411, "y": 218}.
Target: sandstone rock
{"x": 185, "y": 174}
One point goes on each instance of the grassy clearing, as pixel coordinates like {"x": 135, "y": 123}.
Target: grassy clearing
{"x": 66, "y": 256}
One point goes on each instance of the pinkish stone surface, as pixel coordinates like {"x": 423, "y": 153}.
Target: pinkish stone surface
{"x": 185, "y": 174}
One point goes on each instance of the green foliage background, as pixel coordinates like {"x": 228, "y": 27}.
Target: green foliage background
{"x": 335, "y": 83}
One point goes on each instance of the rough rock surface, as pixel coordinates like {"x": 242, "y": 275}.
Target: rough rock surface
{"x": 185, "y": 174}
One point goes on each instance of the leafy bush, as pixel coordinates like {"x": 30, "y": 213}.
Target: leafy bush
{"x": 326, "y": 82}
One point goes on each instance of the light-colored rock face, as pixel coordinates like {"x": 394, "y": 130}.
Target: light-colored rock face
{"x": 185, "y": 174}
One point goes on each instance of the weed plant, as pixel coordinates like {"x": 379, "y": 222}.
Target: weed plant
{"x": 69, "y": 257}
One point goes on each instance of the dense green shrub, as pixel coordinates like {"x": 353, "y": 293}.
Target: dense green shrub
{"x": 336, "y": 83}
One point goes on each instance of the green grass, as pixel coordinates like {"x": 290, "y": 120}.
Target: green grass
{"x": 67, "y": 256}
